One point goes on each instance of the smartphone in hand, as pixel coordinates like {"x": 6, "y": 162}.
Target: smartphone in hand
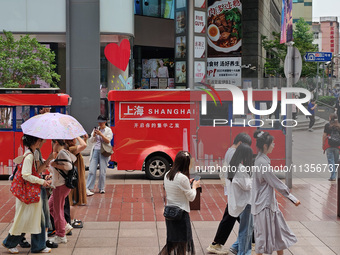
{"x": 197, "y": 178}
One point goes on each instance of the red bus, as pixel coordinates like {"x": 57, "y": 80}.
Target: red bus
{"x": 15, "y": 108}
{"x": 151, "y": 126}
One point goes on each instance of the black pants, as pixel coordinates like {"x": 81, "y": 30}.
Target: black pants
{"x": 225, "y": 227}
{"x": 294, "y": 115}
{"x": 311, "y": 121}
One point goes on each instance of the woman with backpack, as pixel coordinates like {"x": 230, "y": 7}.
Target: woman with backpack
{"x": 28, "y": 217}
{"x": 77, "y": 195}
{"x": 63, "y": 162}
{"x": 331, "y": 143}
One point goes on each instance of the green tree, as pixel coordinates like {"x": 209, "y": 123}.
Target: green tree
{"x": 276, "y": 52}
{"x": 25, "y": 61}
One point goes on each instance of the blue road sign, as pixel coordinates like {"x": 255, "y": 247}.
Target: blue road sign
{"x": 318, "y": 56}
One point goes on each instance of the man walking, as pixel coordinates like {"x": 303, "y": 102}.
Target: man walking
{"x": 311, "y": 108}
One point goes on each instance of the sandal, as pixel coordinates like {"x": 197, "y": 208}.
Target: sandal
{"x": 77, "y": 224}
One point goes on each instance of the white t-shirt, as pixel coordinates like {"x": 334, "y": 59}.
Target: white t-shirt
{"x": 57, "y": 179}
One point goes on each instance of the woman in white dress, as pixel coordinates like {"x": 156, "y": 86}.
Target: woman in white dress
{"x": 28, "y": 217}
{"x": 271, "y": 231}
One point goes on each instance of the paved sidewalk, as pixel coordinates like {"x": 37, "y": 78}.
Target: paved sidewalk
{"x": 128, "y": 219}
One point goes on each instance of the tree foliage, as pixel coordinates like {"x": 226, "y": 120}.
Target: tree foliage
{"x": 24, "y": 61}
{"x": 276, "y": 52}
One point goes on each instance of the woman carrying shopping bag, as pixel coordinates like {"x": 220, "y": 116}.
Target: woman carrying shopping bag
{"x": 28, "y": 215}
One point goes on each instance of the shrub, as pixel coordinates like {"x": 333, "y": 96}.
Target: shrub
{"x": 24, "y": 61}
{"x": 330, "y": 100}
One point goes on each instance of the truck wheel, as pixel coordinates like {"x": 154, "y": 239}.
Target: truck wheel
{"x": 156, "y": 167}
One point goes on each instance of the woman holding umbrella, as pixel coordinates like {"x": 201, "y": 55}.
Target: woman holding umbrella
{"x": 27, "y": 217}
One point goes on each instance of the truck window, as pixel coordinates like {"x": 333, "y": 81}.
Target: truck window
{"x": 6, "y": 118}
{"x": 214, "y": 112}
{"x": 22, "y": 114}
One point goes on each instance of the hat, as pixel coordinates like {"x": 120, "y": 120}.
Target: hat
{"x": 101, "y": 118}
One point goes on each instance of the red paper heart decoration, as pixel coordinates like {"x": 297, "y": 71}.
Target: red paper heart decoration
{"x": 118, "y": 55}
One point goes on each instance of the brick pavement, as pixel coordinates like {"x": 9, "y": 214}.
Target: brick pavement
{"x": 144, "y": 202}
{"x": 128, "y": 218}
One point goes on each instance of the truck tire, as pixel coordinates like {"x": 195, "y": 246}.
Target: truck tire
{"x": 156, "y": 167}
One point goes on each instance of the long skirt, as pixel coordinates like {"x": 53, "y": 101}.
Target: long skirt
{"x": 179, "y": 237}
{"x": 272, "y": 232}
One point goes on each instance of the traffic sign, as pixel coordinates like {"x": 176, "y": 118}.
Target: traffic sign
{"x": 293, "y": 65}
{"x": 318, "y": 56}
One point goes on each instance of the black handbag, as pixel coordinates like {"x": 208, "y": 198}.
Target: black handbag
{"x": 172, "y": 212}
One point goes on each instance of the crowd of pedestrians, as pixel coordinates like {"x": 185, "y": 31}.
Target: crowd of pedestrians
{"x": 249, "y": 187}
{"x": 54, "y": 213}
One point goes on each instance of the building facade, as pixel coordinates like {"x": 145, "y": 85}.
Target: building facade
{"x": 326, "y": 36}
{"x": 303, "y": 9}
{"x": 79, "y": 30}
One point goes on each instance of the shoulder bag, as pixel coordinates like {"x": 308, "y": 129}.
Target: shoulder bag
{"x": 106, "y": 149}
{"x": 172, "y": 212}
{"x": 25, "y": 191}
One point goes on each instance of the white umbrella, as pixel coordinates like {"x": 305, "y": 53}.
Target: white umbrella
{"x": 53, "y": 126}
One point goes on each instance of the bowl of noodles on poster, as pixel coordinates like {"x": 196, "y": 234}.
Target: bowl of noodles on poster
{"x": 225, "y": 25}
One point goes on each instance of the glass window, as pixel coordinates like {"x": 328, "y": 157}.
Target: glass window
{"x": 155, "y": 8}
{"x": 6, "y": 118}
{"x": 112, "y": 113}
{"x": 307, "y": 4}
{"x": 22, "y": 114}
{"x": 104, "y": 107}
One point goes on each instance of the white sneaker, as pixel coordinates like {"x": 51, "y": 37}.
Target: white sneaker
{"x": 102, "y": 191}
{"x": 46, "y": 250}
{"x": 216, "y": 249}
{"x": 68, "y": 228}
{"x": 11, "y": 250}
{"x": 59, "y": 239}
{"x": 89, "y": 192}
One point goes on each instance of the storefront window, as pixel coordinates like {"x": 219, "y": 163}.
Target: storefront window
{"x": 155, "y": 8}
{"x": 115, "y": 75}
